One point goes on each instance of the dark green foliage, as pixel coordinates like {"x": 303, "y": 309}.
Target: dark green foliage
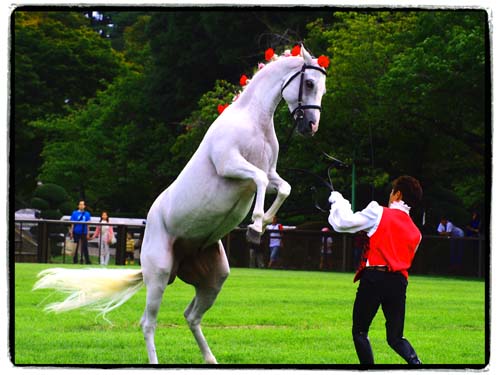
{"x": 51, "y": 214}
{"x": 59, "y": 64}
{"x": 51, "y": 193}
{"x": 39, "y": 204}
{"x": 406, "y": 94}
{"x": 52, "y": 200}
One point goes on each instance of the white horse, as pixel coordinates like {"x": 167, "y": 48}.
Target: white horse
{"x": 235, "y": 163}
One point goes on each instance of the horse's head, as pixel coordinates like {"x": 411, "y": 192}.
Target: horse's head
{"x": 303, "y": 91}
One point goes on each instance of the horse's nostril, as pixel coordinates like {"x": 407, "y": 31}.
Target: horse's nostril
{"x": 313, "y": 126}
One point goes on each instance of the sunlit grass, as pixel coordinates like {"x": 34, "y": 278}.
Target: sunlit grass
{"x": 261, "y": 317}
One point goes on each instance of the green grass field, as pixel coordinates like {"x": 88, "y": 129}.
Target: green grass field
{"x": 261, "y": 317}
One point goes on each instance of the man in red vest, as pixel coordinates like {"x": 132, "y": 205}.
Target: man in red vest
{"x": 383, "y": 272}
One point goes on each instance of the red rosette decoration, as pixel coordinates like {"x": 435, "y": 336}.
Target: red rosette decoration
{"x": 296, "y": 50}
{"x": 222, "y": 107}
{"x": 243, "y": 80}
{"x": 269, "y": 54}
{"x": 323, "y": 61}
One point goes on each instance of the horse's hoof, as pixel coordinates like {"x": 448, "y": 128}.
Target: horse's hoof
{"x": 253, "y": 236}
{"x": 210, "y": 360}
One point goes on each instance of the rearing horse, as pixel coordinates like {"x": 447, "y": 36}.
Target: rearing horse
{"x": 234, "y": 163}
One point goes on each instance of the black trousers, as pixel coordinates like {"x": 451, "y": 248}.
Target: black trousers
{"x": 386, "y": 289}
{"x": 81, "y": 239}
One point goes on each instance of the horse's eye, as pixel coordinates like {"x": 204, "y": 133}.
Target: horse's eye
{"x": 309, "y": 84}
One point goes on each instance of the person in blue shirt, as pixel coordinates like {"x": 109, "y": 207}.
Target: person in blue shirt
{"x": 473, "y": 228}
{"x": 80, "y": 232}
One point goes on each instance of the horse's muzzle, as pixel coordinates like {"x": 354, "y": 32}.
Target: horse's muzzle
{"x": 306, "y": 127}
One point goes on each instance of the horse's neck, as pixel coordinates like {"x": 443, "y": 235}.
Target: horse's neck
{"x": 263, "y": 94}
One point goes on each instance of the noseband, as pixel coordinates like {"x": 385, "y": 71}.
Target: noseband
{"x": 299, "y": 110}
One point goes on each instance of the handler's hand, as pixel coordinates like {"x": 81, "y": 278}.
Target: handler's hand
{"x": 335, "y": 196}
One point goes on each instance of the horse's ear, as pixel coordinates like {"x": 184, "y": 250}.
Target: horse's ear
{"x": 305, "y": 54}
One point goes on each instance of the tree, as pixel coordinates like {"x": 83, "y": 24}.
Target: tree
{"x": 52, "y": 201}
{"x": 412, "y": 86}
{"x": 192, "y": 49}
{"x": 405, "y": 95}
{"x": 117, "y": 148}
{"x": 59, "y": 64}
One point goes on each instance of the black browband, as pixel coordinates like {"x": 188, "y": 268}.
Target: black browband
{"x": 301, "y": 107}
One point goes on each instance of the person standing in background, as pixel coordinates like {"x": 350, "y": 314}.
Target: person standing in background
{"x": 79, "y": 232}
{"x": 474, "y": 226}
{"x": 326, "y": 259}
{"x": 275, "y": 241}
{"x": 106, "y": 235}
{"x": 447, "y": 229}
{"x": 130, "y": 250}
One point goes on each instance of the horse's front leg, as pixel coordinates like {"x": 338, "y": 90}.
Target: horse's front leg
{"x": 236, "y": 166}
{"x": 283, "y": 191}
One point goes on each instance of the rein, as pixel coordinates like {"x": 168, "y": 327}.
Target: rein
{"x": 334, "y": 163}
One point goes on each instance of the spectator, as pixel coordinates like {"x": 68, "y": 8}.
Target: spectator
{"x": 474, "y": 226}
{"x": 79, "y": 232}
{"x": 130, "y": 249}
{"x": 275, "y": 241}
{"x": 326, "y": 259}
{"x": 446, "y": 228}
{"x": 106, "y": 238}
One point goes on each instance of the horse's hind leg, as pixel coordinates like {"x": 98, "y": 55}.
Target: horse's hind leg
{"x": 207, "y": 274}
{"x": 157, "y": 263}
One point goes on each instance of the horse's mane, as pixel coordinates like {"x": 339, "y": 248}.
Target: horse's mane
{"x": 263, "y": 67}
{"x": 273, "y": 60}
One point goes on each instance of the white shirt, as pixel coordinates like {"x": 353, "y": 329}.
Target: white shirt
{"x": 274, "y": 237}
{"x": 342, "y": 219}
{"x": 452, "y": 229}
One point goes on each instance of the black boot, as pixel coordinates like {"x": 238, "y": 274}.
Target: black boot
{"x": 405, "y": 350}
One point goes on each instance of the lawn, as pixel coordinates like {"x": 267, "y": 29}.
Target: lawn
{"x": 261, "y": 317}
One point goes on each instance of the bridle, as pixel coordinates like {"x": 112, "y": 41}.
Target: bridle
{"x": 298, "y": 112}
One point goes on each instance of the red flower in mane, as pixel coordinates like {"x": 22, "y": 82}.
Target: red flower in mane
{"x": 222, "y": 107}
{"x": 269, "y": 54}
{"x": 243, "y": 80}
{"x": 296, "y": 50}
{"x": 323, "y": 61}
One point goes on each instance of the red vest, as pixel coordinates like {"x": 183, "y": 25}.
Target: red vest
{"x": 393, "y": 244}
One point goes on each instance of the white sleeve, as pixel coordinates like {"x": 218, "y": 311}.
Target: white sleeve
{"x": 342, "y": 219}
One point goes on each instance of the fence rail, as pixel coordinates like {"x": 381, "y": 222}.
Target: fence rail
{"x": 43, "y": 241}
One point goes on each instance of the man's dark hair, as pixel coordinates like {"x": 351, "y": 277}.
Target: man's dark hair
{"x": 410, "y": 188}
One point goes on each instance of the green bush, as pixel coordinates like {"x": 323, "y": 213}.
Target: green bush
{"x": 67, "y": 208}
{"x": 52, "y": 200}
{"x": 51, "y": 214}
{"x": 52, "y": 193}
{"x": 39, "y": 203}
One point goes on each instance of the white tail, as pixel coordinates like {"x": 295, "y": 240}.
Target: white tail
{"x": 97, "y": 289}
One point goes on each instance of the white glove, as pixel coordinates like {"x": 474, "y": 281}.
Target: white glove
{"x": 334, "y": 197}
